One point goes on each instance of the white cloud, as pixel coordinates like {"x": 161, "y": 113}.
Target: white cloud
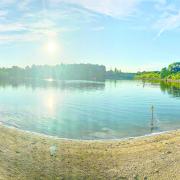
{"x": 31, "y": 20}
{"x": 113, "y": 8}
{"x": 30, "y": 25}
{"x": 13, "y": 27}
{"x": 29, "y": 32}
{"x": 170, "y": 22}
{"x": 3, "y": 13}
{"x": 28, "y": 37}
{"x": 168, "y": 17}
{"x": 6, "y": 3}
{"x": 24, "y": 5}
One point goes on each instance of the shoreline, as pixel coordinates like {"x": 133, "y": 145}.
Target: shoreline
{"x": 25, "y": 155}
{"x": 87, "y": 140}
{"x": 159, "y": 80}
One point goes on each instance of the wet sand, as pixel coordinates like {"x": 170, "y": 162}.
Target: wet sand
{"x": 27, "y": 156}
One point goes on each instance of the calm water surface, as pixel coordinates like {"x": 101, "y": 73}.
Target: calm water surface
{"x": 86, "y": 110}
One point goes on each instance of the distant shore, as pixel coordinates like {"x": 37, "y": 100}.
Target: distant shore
{"x": 160, "y": 80}
{"x": 171, "y": 80}
{"x": 25, "y": 155}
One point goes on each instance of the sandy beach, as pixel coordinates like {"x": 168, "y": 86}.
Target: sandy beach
{"x": 25, "y": 155}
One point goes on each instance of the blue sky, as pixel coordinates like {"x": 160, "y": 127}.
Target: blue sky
{"x": 133, "y": 35}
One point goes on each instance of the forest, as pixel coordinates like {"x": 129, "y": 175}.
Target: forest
{"x": 57, "y": 72}
{"x": 89, "y": 72}
{"x": 119, "y": 75}
{"x": 172, "y": 72}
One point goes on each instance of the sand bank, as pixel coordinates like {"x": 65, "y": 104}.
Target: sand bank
{"x": 27, "y": 156}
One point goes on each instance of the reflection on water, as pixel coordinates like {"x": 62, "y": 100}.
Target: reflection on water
{"x": 46, "y": 83}
{"x": 90, "y": 110}
{"x": 172, "y": 88}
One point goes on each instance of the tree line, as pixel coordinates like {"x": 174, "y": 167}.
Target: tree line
{"x": 172, "y": 72}
{"x": 64, "y": 72}
{"x": 119, "y": 75}
{"x": 57, "y": 72}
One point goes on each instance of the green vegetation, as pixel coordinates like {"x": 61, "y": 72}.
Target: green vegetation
{"x": 63, "y": 72}
{"x": 170, "y": 73}
{"x": 88, "y": 72}
{"x": 171, "y": 88}
{"x": 148, "y": 75}
{"x": 118, "y": 75}
{"x": 58, "y": 72}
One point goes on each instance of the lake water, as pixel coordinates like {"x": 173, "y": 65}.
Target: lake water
{"x": 87, "y": 110}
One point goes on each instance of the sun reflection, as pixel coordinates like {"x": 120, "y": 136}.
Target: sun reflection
{"x": 51, "y": 101}
{"x": 49, "y": 79}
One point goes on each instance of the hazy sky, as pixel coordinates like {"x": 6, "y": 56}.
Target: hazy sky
{"x": 130, "y": 34}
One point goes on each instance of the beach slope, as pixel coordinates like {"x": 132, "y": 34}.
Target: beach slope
{"x": 29, "y": 156}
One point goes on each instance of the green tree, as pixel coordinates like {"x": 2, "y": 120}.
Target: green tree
{"x": 174, "y": 67}
{"x": 164, "y": 73}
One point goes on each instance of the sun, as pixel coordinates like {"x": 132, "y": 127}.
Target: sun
{"x": 52, "y": 47}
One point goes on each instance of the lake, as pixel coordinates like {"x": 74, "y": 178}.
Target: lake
{"x": 90, "y": 110}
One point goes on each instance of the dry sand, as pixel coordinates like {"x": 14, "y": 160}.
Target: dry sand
{"x": 27, "y": 156}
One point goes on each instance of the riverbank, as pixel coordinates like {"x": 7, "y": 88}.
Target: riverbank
{"x": 28, "y": 156}
{"x": 159, "y": 80}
